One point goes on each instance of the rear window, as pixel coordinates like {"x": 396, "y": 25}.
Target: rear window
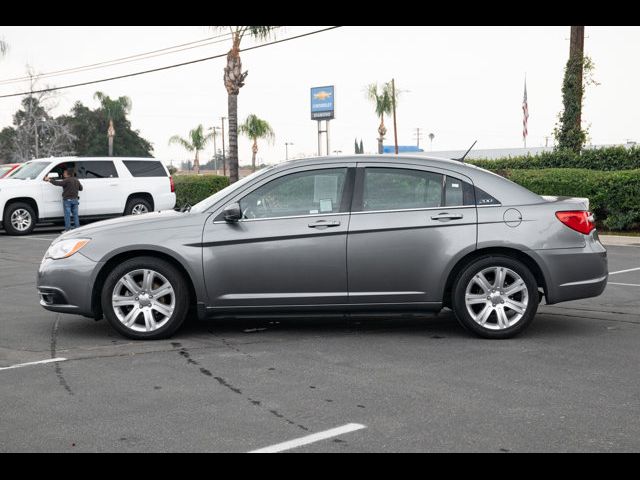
{"x": 483, "y": 198}
{"x": 141, "y": 168}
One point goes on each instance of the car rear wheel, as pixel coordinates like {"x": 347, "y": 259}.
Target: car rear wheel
{"x": 19, "y": 219}
{"x": 495, "y": 297}
{"x": 137, "y": 206}
{"x": 145, "y": 298}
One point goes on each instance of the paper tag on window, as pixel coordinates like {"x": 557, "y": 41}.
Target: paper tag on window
{"x": 326, "y": 205}
{"x": 313, "y": 212}
{"x": 455, "y": 185}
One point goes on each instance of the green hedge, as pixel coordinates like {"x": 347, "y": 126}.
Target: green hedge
{"x": 609, "y": 158}
{"x": 614, "y": 196}
{"x": 190, "y": 189}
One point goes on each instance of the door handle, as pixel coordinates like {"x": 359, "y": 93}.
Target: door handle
{"x": 324, "y": 224}
{"x": 447, "y": 216}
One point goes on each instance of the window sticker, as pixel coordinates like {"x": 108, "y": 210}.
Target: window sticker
{"x": 455, "y": 185}
{"x": 313, "y": 212}
{"x": 325, "y": 186}
{"x": 326, "y": 205}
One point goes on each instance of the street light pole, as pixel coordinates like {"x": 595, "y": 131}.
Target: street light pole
{"x": 286, "y": 146}
{"x": 224, "y": 158}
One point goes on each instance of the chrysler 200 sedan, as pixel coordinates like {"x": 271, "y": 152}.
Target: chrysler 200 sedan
{"x": 384, "y": 235}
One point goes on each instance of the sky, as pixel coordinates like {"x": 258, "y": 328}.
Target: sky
{"x": 459, "y": 83}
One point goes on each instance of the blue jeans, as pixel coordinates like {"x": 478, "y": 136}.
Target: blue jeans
{"x": 71, "y": 208}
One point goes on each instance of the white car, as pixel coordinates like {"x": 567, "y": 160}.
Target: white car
{"x": 113, "y": 186}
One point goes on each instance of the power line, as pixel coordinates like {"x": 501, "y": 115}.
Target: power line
{"x": 168, "y": 66}
{"x": 130, "y": 58}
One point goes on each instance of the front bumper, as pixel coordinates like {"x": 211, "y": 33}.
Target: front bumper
{"x": 574, "y": 273}
{"x": 66, "y": 285}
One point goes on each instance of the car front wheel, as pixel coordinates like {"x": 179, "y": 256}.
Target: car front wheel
{"x": 145, "y": 298}
{"x": 495, "y": 297}
{"x": 19, "y": 219}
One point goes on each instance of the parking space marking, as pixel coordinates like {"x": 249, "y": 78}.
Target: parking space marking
{"x": 36, "y": 238}
{"x": 39, "y": 362}
{"x": 315, "y": 437}
{"x": 625, "y": 271}
{"x": 626, "y": 284}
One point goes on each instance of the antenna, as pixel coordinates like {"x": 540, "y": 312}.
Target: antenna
{"x": 461, "y": 159}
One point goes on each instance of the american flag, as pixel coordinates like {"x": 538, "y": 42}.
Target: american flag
{"x": 525, "y": 112}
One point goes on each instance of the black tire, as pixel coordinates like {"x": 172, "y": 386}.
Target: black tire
{"x": 180, "y": 290}
{"x": 492, "y": 329}
{"x": 10, "y": 210}
{"x": 137, "y": 202}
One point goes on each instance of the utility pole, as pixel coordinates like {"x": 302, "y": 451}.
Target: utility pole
{"x": 418, "y": 135}
{"x": 395, "y": 127}
{"x": 215, "y": 129}
{"x": 35, "y": 117}
{"x": 224, "y": 158}
{"x": 576, "y": 51}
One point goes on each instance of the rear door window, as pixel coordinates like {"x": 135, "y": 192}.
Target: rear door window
{"x": 99, "y": 169}
{"x": 398, "y": 189}
{"x": 144, "y": 168}
{"x": 458, "y": 193}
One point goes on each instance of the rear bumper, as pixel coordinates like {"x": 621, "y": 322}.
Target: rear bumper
{"x": 574, "y": 273}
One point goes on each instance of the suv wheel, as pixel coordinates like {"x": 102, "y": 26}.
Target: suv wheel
{"x": 145, "y": 298}
{"x": 19, "y": 219}
{"x": 137, "y": 206}
{"x": 495, "y": 297}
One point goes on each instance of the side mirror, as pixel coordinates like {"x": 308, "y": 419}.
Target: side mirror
{"x": 232, "y": 212}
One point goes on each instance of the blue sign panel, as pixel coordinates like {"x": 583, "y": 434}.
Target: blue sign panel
{"x": 322, "y": 103}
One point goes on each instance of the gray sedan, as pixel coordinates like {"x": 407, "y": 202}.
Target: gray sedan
{"x": 358, "y": 236}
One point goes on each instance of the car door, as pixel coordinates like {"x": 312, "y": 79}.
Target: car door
{"x": 101, "y": 189}
{"x": 404, "y": 232}
{"x": 289, "y": 250}
{"x": 52, "y": 194}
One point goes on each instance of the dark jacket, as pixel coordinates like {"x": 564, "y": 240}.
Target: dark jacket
{"x": 70, "y": 187}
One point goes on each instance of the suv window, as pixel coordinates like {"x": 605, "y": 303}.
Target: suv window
{"x": 305, "y": 193}
{"x": 396, "y": 188}
{"x": 99, "y": 169}
{"x": 145, "y": 168}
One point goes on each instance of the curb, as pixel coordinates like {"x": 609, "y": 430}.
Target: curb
{"x": 619, "y": 240}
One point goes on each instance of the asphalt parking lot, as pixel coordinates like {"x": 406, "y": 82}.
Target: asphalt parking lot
{"x": 570, "y": 383}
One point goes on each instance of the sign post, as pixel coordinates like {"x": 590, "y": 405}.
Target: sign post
{"x": 323, "y": 109}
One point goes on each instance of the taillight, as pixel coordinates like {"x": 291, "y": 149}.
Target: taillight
{"x": 578, "y": 220}
{"x": 173, "y": 185}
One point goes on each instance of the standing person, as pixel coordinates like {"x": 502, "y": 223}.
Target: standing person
{"x": 70, "y": 200}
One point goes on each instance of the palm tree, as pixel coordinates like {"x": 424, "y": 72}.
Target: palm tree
{"x": 233, "y": 82}
{"x": 383, "y": 101}
{"x": 195, "y": 143}
{"x": 117, "y": 109}
{"x": 255, "y": 128}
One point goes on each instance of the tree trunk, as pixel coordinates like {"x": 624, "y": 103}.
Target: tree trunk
{"x": 233, "y": 138}
{"x": 196, "y": 163}
{"x": 233, "y": 81}
{"x": 382, "y": 130}
{"x": 254, "y": 151}
{"x": 576, "y": 51}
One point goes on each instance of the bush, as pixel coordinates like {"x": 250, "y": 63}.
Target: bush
{"x": 608, "y": 158}
{"x": 614, "y": 197}
{"x": 190, "y": 189}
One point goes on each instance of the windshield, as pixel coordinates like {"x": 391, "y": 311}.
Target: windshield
{"x": 29, "y": 171}
{"x": 207, "y": 202}
{"x": 4, "y": 169}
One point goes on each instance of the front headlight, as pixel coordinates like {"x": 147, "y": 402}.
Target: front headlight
{"x": 66, "y": 248}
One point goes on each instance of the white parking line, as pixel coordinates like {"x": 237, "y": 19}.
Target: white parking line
{"x": 625, "y": 271}
{"x": 626, "y": 284}
{"x": 36, "y": 238}
{"x": 49, "y": 360}
{"x": 316, "y": 437}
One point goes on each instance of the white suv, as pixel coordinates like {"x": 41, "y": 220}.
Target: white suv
{"x": 112, "y": 187}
